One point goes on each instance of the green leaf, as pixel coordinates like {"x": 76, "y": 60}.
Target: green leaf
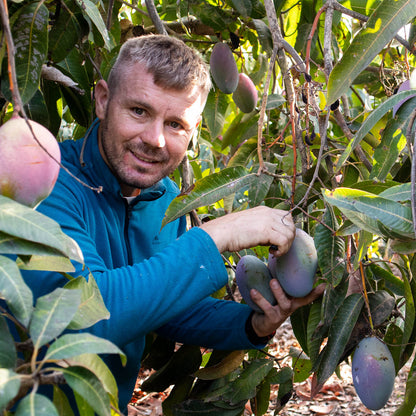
{"x": 391, "y": 282}
{"x": 9, "y": 386}
{"x": 391, "y": 214}
{"x": 30, "y": 35}
{"x": 91, "y": 10}
{"x": 258, "y": 190}
{"x": 88, "y": 386}
{"x": 65, "y": 33}
{"x": 330, "y": 248}
{"x": 397, "y": 193}
{"x": 208, "y": 190}
{"x": 13, "y": 289}
{"x": 339, "y": 333}
{"x": 370, "y": 122}
{"x": 274, "y": 101}
{"x": 54, "y": 263}
{"x": 52, "y": 314}
{"x": 92, "y": 308}
{"x": 36, "y": 405}
{"x": 214, "y": 111}
{"x": 314, "y": 340}
{"x": 381, "y": 27}
{"x": 97, "y": 366}
{"x": 409, "y": 402}
{"x": 244, "y": 387}
{"x": 386, "y": 154}
{"x": 61, "y": 402}
{"x": 70, "y": 345}
{"x": 410, "y": 313}
{"x": 23, "y": 222}
{"x": 8, "y": 354}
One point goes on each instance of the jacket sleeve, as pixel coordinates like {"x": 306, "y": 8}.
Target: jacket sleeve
{"x": 212, "y": 323}
{"x": 146, "y": 295}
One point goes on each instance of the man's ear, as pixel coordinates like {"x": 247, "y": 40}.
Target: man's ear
{"x": 102, "y": 96}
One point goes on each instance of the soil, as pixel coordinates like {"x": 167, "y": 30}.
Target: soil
{"x": 337, "y": 398}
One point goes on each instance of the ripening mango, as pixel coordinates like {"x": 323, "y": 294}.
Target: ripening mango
{"x": 373, "y": 372}
{"x": 223, "y": 68}
{"x": 27, "y": 172}
{"x": 252, "y": 273}
{"x": 245, "y": 96}
{"x": 296, "y": 269}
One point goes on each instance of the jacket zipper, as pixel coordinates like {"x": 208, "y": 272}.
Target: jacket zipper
{"x": 126, "y": 233}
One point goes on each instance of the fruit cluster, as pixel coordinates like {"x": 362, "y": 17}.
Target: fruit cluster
{"x": 225, "y": 74}
{"x": 295, "y": 271}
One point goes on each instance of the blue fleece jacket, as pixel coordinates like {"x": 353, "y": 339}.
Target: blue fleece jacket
{"x": 151, "y": 279}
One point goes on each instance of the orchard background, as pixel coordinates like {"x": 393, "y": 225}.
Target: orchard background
{"x": 331, "y": 140}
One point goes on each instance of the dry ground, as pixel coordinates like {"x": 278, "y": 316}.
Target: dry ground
{"x": 337, "y": 398}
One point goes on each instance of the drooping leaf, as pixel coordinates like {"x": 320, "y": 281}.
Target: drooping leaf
{"x": 97, "y": 366}
{"x": 330, "y": 248}
{"x": 8, "y": 354}
{"x": 369, "y": 123}
{"x": 381, "y": 27}
{"x": 13, "y": 289}
{"x": 339, "y": 333}
{"x": 208, "y": 190}
{"x": 258, "y": 190}
{"x": 53, "y": 312}
{"x": 71, "y": 345}
{"x": 23, "y": 222}
{"x": 214, "y": 111}
{"x": 9, "y": 386}
{"x": 244, "y": 387}
{"x": 224, "y": 367}
{"x": 391, "y": 214}
{"x": 91, "y": 10}
{"x": 30, "y": 35}
{"x": 88, "y": 386}
{"x": 92, "y": 308}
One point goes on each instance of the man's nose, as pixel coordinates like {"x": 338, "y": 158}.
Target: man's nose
{"x": 154, "y": 134}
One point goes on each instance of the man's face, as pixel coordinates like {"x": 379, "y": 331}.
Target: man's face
{"x": 145, "y": 129}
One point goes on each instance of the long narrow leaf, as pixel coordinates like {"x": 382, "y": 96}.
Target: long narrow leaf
{"x": 338, "y": 336}
{"x": 13, "y": 289}
{"x": 23, "y": 222}
{"x": 30, "y": 34}
{"x": 391, "y": 214}
{"x": 209, "y": 190}
{"x": 381, "y": 27}
{"x": 370, "y": 122}
{"x": 8, "y": 354}
{"x": 88, "y": 386}
{"x": 52, "y": 314}
{"x": 70, "y": 345}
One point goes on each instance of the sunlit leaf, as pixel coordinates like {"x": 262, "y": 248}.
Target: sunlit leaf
{"x": 208, "y": 190}
{"x": 9, "y": 386}
{"x": 381, "y": 27}
{"x": 92, "y": 308}
{"x": 53, "y": 312}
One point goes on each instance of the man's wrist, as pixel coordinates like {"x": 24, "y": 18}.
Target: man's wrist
{"x": 252, "y": 335}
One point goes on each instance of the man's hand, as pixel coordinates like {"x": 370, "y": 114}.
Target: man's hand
{"x": 266, "y": 323}
{"x": 252, "y": 227}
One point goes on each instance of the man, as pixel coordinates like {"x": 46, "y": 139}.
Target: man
{"x": 154, "y": 279}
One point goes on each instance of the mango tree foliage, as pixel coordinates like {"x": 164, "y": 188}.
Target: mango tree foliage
{"x": 331, "y": 140}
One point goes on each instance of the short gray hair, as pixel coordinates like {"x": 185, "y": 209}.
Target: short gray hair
{"x": 174, "y": 65}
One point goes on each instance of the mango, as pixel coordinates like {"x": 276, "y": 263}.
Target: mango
{"x": 245, "y": 96}
{"x": 252, "y": 273}
{"x": 27, "y": 172}
{"x": 373, "y": 372}
{"x": 296, "y": 269}
{"x": 223, "y": 68}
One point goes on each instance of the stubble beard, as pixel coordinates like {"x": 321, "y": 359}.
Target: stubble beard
{"x": 124, "y": 174}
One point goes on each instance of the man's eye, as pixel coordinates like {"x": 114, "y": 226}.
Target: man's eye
{"x": 175, "y": 125}
{"x": 139, "y": 111}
